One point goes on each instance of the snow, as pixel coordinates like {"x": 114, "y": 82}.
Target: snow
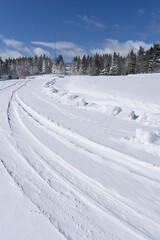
{"x": 80, "y": 158}
{"x": 20, "y": 219}
{"x": 147, "y": 136}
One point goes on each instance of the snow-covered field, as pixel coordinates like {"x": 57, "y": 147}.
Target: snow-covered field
{"x": 80, "y": 158}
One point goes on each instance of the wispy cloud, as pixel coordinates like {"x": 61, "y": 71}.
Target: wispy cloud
{"x": 91, "y": 22}
{"x": 13, "y": 48}
{"x": 73, "y": 52}
{"x": 68, "y": 49}
{"x": 16, "y": 45}
{"x": 111, "y": 45}
{"x": 6, "y": 53}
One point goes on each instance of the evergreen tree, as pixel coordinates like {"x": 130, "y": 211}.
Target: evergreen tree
{"x": 140, "y": 61}
{"x": 156, "y": 58}
{"x": 96, "y": 66}
{"x": 107, "y": 61}
{"x": 149, "y": 60}
{"x": 115, "y": 68}
{"x": 130, "y": 63}
{"x": 75, "y": 65}
{"x": 83, "y": 65}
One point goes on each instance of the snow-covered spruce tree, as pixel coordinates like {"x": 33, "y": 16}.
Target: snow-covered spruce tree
{"x": 75, "y": 65}
{"x": 4, "y": 66}
{"x": 12, "y": 67}
{"x": 96, "y": 65}
{"x": 54, "y": 67}
{"x": 121, "y": 63}
{"x": 149, "y": 60}
{"x": 26, "y": 66}
{"x": 58, "y": 65}
{"x": 152, "y": 59}
{"x": 90, "y": 65}
{"x": 36, "y": 66}
{"x": 84, "y": 65}
{"x": 46, "y": 64}
{"x": 130, "y": 63}
{"x": 107, "y": 61}
{"x": 114, "y": 68}
{"x": 140, "y": 61}
{"x": 156, "y": 58}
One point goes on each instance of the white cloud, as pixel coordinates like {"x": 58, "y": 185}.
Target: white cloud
{"x": 91, "y": 22}
{"x": 73, "y": 52}
{"x": 16, "y": 45}
{"x": 57, "y": 45}
{"x": 40, "y": 51}
{"x": 68, "y": 49}
{"x": 9, "y": 54}
{"x": 110, "y": 46}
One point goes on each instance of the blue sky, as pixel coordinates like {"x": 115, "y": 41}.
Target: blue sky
{"x": 78, "y": 27}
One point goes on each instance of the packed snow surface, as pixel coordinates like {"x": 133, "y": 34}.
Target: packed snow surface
{"x": 80, "y": 158}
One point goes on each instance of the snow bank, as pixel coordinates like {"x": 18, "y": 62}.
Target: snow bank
{"x": 75, "y": 101}
{"x": 97, "y": 96}
{"x": 70, "y": 99}
{"x": 152, "y": 119}
{"x": 144, "y": 136}
{"x": 101, "y": 107}
{"x": 128, "y": 114}
{"x": 129, "y": 87}
{"x": 63, "y": 96}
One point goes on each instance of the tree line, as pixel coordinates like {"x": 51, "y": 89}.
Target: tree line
{"x": 27, "y": 66}
{"x": 106, "y": 64}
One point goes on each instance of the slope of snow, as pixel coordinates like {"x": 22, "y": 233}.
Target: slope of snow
{"x": 80, "y": 158}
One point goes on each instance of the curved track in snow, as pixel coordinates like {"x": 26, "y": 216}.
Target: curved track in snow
{"x": 85, "y": 189}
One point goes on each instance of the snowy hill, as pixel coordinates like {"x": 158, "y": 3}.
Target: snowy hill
{"x": 80, "y": 158}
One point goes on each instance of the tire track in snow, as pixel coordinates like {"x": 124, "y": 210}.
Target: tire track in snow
{"x": 11, "y": 85}
{"x": 85, "y": 143}
{"x": 98, "y": 159}
{"x": 112, "y": 199}
{"x": 33, "y": 187}
{"x": 29, "y": 183}
{"x": 24, "y": 180}
{"x": 25, "y": 183}
{"x": 39, "y": 185}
